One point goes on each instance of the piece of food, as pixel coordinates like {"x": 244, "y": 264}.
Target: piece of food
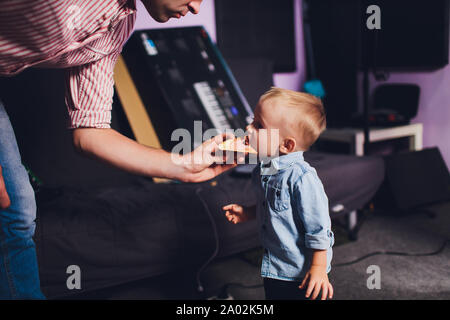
{"x": 236, "y": 145}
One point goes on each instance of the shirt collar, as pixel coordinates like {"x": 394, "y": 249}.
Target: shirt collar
{"x": 271, "y": 166}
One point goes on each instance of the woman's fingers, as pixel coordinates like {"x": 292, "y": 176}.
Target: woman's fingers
{"x": 212, "y": 144}
{"x": 210, "y": 148}
{"x": 223, "y": 137}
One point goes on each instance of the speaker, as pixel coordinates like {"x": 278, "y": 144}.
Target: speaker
{"x": 394, "y": 105}
{"x": 414, "y": 179}
{"x": 413, "y": 35}
{"x": 253, "y": 29}
{"x": 400, "y": 98}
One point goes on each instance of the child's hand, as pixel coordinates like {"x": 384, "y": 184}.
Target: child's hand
{"x": 235, "y": 213}
{"x": 317, "y": 280}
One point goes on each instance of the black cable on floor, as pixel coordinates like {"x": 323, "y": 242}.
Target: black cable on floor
{"x": 223, "y": 293}
{"x": 394, "y": 253}
{"x": 216, "y": 237}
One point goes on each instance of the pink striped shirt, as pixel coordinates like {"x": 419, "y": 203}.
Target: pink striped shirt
{"x": 84, "y": 37}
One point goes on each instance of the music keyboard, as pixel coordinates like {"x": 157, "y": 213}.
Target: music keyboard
{"x": 212, "y": 106}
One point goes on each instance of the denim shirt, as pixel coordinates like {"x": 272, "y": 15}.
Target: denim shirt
{"x": 292, "y": 211}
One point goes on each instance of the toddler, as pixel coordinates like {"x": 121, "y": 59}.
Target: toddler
{"x": 292, "y": 207}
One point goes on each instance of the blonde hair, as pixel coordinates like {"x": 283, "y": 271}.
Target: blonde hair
{"x": 311, "y": 119}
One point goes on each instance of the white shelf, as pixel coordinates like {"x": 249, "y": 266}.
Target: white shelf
{"x": 355, "y": 136}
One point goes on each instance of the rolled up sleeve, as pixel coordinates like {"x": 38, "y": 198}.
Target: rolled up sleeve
{"x": 312, "y": 206}
{"x": 89, "y": 93}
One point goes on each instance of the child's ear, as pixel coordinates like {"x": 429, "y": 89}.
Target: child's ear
{"x": 288, "y": 145}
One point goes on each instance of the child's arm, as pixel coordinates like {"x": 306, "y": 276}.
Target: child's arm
{"x": 317, "y": 277}
{"x": 311, "y": 204}
{"x": 237, "y": 214}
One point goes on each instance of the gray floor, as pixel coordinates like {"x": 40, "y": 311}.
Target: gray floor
{"x": 402, "y": 277}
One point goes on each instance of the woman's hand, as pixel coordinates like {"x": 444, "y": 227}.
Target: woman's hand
{"x": 113, "y": 148}
{"x": 208, "y": 161}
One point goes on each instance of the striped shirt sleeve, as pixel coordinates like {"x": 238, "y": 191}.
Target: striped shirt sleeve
{"x": 89, "y": 93}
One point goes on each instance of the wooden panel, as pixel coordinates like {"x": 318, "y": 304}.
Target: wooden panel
{"x": 133, "y": 107}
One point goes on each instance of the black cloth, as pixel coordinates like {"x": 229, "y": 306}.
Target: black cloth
{"x": 120, "y": 234}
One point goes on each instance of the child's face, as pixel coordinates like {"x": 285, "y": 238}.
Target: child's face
{"x": 264, "y": 133}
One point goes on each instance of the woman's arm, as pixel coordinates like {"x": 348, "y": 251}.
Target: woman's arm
{"x": 119, "y": 151}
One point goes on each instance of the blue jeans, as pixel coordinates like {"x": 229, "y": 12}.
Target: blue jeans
{"x": 19, "y": 276}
